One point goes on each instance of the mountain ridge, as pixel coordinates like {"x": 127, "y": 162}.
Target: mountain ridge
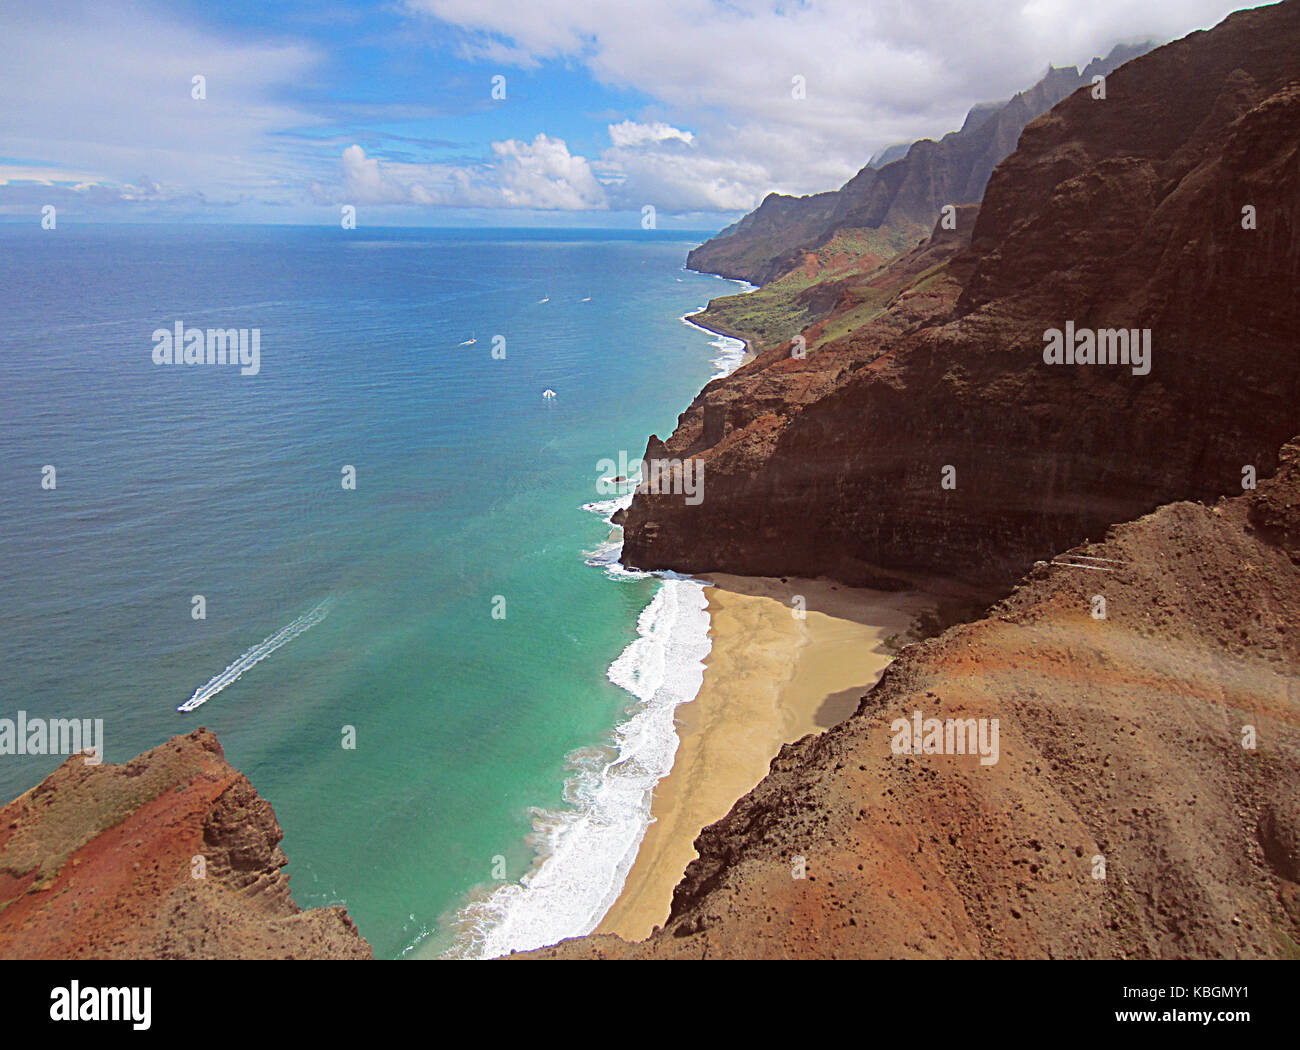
{"x": 1145, "y": 802}
{"x": 900, "y": 198}
{"x": 1105, "y": 216}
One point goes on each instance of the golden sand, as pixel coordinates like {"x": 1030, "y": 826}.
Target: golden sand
{"x": 770, "y": 679}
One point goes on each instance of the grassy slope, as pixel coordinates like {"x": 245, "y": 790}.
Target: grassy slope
{"x": 783, "y": 308}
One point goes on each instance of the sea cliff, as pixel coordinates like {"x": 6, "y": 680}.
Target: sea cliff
{"x": 925, "y": 433}
{"x": 172, "y": 855}
{"x": 1140, "y": 652}
{"x": 1145, "y": 801}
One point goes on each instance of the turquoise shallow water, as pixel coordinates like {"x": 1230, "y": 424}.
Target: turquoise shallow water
{"x": 176, "y": 481}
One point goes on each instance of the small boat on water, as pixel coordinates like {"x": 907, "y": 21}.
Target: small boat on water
{"x": 470, "y": 341}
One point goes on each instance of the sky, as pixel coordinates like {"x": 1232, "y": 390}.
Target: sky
{"x": 504, "y": 112}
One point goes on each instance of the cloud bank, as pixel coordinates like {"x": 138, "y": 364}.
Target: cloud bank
{"x": 717, "y": 103}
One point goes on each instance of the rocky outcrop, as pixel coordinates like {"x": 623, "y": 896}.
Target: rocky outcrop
{"x": 900, "y": 199}
{"x": 1145, "y": 800}
{"x": 173, "y": 855}
{"x": 933, "y": 437}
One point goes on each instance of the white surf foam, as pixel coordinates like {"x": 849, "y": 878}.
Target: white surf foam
{"x": 256, "y": 655}
{"x": 731, "y": 352}
{"x": 587, "y": 849}
{"x": 607, "y": 554}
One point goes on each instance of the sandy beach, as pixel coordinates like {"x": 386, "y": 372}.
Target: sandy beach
{"x": 770, "y": 679}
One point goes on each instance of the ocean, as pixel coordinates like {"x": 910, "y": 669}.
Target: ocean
{"x": 379, "y": 568}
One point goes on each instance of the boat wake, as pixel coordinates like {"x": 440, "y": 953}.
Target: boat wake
{"x": 257, "y": 654}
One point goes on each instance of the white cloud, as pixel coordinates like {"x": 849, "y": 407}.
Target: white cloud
{"x": 98, "y": 93}
{"x": 541, "y": 175}
{"x": 645, "y": 164}
{"x": 45, "y": 176}
{"x": 364, "y": 182}
{"x": 105, "y": 90}
{"x": 630, "y": 133}
{"x": 657, "y": 163}
{"x": 878, "y": 71}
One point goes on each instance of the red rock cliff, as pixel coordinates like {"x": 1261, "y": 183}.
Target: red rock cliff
{"x": 1124, "y": 817}
{"x": 100, "y": 862}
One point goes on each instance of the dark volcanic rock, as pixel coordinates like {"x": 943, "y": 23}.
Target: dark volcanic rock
{"x": 1123, "y": 818}
{"x": 1118, "y": 213}
{"x": 902, "y": 197}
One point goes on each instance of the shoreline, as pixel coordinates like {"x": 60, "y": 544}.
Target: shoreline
{"x": 769, "y": 679}
{"x": 609, "y": 788}
{"x": 584, "y": 849}
{"x": 748, "y": 353}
